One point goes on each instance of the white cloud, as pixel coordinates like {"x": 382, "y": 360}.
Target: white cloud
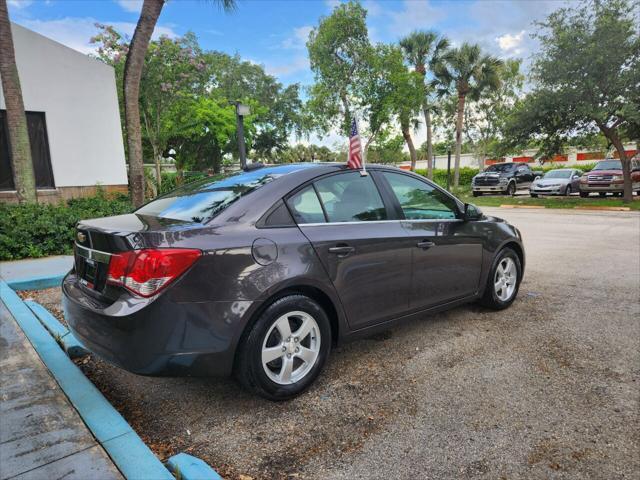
{"x": 297, "y": 64}
{"x": 511, "y": 43}
{"x": 19, "y": 3}
{"x": 413, "y": 16}
{"x": 76, "y": 33}
{"x": 298, "y": 39}
{"x": 131, "y": 5}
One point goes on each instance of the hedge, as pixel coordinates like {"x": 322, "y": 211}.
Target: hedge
{"x": 37, "y": 230}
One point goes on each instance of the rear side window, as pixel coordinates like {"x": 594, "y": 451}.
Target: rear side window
{"x": 350, "y": 197}
{"x": 305, "y": 206}
{"x": 419, "y": 200}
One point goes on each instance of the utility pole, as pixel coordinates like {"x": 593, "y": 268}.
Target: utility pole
{"x": 448, "y": 168}
{"x": 241, "y": 111}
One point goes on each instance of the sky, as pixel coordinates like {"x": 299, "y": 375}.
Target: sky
{"x": 273, "y": 33}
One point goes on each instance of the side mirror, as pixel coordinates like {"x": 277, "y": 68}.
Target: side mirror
{"x": 471, "y": 212}
{"x": 575, "y": 177}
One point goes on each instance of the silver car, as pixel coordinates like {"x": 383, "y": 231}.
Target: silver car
{"x": 562, "y": 181}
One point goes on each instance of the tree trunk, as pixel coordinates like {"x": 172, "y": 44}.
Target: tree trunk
{"x": 347, "y": 114}
{"x": 614, "y": 138}
{"x": 459, "y": 120}
{"x": 132, "y": 73}
{"x": 612, "y": 135}
{"x": 412, "y": 149}
{"x": 19, "y": 147}
{"x": 427, "y": 121}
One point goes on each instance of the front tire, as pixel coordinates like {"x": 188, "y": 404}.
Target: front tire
{"x": 533, "y": 195}
{"x": 503, "y": 282}
{"x": 584, "y": 194}
{"x": 567, "y": 192}
{"x": 511, "y": 189}
{"x": 477, "y": 194}
{"x": 286, "y": 348}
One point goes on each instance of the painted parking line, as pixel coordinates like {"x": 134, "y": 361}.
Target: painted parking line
{"x": 65, "y": 338}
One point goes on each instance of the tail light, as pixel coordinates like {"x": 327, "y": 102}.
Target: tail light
{"x": 146, "y": 272}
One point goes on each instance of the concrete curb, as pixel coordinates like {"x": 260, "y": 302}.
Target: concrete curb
{"x": 187, "y": 467}
{"x": 65, "y": 338}
{"x": 36, "y": 283}
{"x": 129, "y": 453}
{"x": 522, "y": 206}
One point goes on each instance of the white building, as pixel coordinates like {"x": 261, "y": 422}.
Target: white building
{"x": 73, "y": 118}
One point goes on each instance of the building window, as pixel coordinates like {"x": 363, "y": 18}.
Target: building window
{"x": 40, "y": 154}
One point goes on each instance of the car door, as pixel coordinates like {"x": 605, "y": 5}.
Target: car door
{"x": 360, "y": 243}
{"x": 446, "y": 251}
{"x": 524, "y": 176}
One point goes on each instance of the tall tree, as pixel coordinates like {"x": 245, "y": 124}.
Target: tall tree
{"x": 587, "y": 79}
{"x": 20, "y": 148}
{"x": 133, "y": 67}
{"x": 423, "y": 50}
{"x": 339, "y": 53}
{"x": 470, "y": 73}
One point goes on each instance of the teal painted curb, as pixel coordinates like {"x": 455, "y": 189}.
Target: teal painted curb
{"x": 63, "y": 336}
{"x": 187, "y": 467}
{"x": 36, "y": 283}
{"x": 132, "y": 457}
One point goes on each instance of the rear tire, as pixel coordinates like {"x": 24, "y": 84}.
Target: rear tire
{"x": 498, "y": 296}
{"x": 296, "y": 360}
{"x": 477, "y": 194}
{"x": 584, "y": 194}
{"x": 533, "y": 195}
{"x": 602, "y": 194}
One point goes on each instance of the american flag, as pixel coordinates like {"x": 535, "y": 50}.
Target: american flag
{"x": 355, "y": 147}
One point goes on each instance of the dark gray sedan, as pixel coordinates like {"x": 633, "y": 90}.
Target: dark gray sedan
{"x": 260, "y": 273}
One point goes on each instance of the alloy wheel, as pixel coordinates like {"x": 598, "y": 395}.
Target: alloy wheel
{"x": 505, "y": 279}
{"x": 291, "y": 347}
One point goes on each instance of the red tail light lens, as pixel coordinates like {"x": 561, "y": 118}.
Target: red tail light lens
{"x": 146, "y": 272}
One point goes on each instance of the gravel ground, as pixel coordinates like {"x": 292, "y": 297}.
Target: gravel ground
{"x": 549, "y": 388}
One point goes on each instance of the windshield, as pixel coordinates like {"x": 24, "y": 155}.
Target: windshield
{"x": 608, "y": 165}
{"x": 500, "y": 167}
{"x": 202, "y": 200}
{"x": 558, "y": 174}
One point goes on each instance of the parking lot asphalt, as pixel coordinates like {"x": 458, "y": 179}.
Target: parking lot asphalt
{"x": 549, "y": 388}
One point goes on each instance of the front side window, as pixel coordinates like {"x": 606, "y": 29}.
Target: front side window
{"x": 350, "y": 197}
{"x": 419, "y": 200}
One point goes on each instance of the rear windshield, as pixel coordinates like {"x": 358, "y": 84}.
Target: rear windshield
{"x": 609, "y": 165}
{"x": 204, "y": 199}
{"x": 500, "y": 167}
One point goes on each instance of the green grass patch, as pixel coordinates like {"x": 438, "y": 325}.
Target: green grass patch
{"x": 548, "y": 202}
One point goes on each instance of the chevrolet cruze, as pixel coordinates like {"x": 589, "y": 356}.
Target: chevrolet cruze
{"x": 258, "y": 274}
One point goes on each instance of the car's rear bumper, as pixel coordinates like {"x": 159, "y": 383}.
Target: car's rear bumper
{"x": 156, "y": 336}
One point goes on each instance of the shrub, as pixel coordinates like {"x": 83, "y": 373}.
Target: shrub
{"x": 440, "y": 175}
{"x": 36, "y": 230}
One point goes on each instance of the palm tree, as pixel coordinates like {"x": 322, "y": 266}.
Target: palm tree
{"x": 20, "y": 148}
{"x": 425, "y": 50}
{"x": 471, "y": 73}
{"x": 149, "y": 15}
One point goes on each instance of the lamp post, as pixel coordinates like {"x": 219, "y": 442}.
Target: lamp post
{"x": 241, "y": 111}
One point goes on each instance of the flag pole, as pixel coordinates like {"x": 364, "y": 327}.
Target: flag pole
{"x": 363, "y": 171}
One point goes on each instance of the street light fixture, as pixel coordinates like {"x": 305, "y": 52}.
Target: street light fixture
{"x": 241, "y": 111}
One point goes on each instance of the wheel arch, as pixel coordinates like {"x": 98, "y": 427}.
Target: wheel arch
{"x": 330, "y": 305}
{"x": 516, "y": 247}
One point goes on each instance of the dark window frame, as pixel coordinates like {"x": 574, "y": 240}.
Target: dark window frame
{"x": 49, "y": 180}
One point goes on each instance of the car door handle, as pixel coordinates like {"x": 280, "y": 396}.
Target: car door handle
{"x": 342, "y": 250}
{"x": 425, "y": 244}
